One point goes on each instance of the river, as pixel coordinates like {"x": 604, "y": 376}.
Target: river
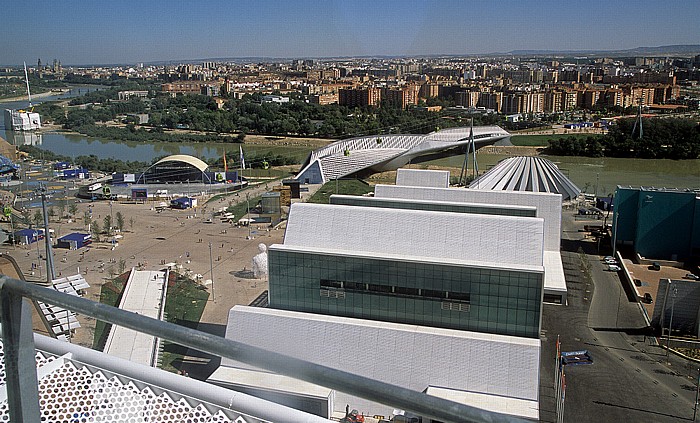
{"x": 607, "y": 173}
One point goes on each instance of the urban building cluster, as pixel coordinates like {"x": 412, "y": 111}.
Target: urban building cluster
{"x": 506, "y": 85}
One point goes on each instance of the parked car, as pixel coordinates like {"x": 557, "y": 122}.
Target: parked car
{"x": 647, "y": 298}
{"x": 611, "y": 261}
{"x": 692, "y": 276}
{"x": 614, "y": 268}
{"x": 609, "y": 258}
{"x": 655, "y": 266}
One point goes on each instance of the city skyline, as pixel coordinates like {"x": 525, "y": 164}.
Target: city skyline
{"x": 103, "y": 32}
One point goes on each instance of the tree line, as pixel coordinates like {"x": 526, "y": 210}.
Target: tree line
{"x": 248, "y": 115}
{"x": 671, "y": 138}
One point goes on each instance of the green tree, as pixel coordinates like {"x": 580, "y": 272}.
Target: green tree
{"x": 61, "y": 209}
{"x": 96, "y": 230}
{"x": 72, "y": 209}
{"x": 108, "y": 224}
{"x": 120, "y": 221}
{"x": 131, "y": 222}
{"x": 52, "y": 212}
{"x": 86, "y": 218}
{"x": 38, "y": 217}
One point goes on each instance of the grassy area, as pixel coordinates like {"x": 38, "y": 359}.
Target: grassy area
{"x": 184, "y": 306}
{"x": 264, "y": 173}
{"x": 110, "y": 294}
{"x": 543, "y": 140}
{"x": 343, "y": 186}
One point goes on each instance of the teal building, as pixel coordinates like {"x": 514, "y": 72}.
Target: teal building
{"x": 661, "y": 224}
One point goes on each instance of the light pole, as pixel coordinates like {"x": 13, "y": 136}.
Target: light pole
{"x": 616, "y": 218}
{"x": 670, "y": 322}
{"x": 697, "y": 393}
{"x": 211, "y": 272}
{"x": 50, "y": 272}
{"x": 596, "y": 185}
{"x": 247, "y": 201}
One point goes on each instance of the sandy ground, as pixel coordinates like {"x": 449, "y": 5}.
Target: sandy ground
{"x": 172, "y": 236}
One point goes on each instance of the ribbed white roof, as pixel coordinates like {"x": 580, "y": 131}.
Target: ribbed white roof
{"x": 411, "y": 233}
{"x": 414, "y": 357}
{"x": 527, "y": 174}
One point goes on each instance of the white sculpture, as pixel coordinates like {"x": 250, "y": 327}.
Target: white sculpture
{"x": 260, "y": 263}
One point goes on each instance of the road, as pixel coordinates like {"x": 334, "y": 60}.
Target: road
{"x": 630, "y": 379}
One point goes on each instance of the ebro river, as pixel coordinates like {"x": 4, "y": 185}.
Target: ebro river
{"x": 588, "y": 173}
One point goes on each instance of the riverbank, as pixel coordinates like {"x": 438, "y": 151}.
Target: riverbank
{"x": 34, "y": 96}
{"x": 257, "y": 140}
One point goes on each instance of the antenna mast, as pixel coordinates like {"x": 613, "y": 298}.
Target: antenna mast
{"x": 639, "y": 120}
{"x": 26, "y": 79}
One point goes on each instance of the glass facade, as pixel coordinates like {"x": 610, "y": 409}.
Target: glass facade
{"x": 445, "y": 207}
{"x": 497, "y": 301}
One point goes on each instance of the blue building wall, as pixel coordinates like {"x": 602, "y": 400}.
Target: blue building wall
{"x": 661, "y": 224}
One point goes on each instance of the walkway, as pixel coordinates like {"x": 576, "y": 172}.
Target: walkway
{"x": 142, "y": 294}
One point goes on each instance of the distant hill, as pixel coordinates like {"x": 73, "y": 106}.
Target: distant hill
{"x": 680, "y": 50}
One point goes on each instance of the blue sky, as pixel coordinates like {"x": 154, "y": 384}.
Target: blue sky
{"x": 105, "y": 32}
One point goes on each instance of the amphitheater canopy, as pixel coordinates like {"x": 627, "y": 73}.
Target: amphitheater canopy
{"x": 177, "y": 168}
{"x": 191, "y": 160}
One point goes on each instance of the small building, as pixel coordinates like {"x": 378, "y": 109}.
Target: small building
{"x": 294, "y": 185}
{"x": 183, "y": 203}
{"x": 285, "y": 194}
{"x": 61, "y": 165}
{"x": 79, "y": 173}
{"x": 275, "y": 99}
{"x": 74, "y": 241}
{"x": 139, "y": 194}
{"x": 28, "y": 236}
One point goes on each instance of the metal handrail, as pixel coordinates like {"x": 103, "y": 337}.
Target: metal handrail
{"x": 22, "y": 389}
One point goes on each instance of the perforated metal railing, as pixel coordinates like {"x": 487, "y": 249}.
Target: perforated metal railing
{"x": 21, "y": 374}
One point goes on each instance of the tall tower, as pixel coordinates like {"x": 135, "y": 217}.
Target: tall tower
{"x": 38, "y": 68}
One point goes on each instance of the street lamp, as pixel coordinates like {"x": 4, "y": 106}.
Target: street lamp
{"x": 211, "y": 272}
{"x": 670, "y": 322}
{"x": 247, "y": 200}
{"x": 50, "y": 272}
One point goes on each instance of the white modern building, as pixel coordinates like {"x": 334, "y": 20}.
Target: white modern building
{"x": 433, "y": 288}
{"x": 548, "y": 206}
{"x": 370, "y": 154}
{"x": 21, "y": 120}
{"x": 493, "y": 372}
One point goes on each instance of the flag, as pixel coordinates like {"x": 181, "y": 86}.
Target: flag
{"x": 225, "y": 166}
{"x": 242, "y": 158}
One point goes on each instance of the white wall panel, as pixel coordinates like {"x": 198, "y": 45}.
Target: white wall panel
{"x": 548, "y": 205}
{"x": 423, "y": 178}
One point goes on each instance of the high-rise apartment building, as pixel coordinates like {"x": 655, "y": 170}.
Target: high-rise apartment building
{"x": 359, "y": 97}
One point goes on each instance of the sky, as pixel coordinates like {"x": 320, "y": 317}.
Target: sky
{"x": 130, "y": 31}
